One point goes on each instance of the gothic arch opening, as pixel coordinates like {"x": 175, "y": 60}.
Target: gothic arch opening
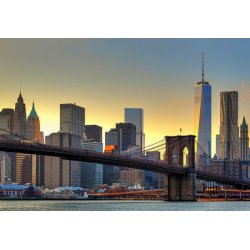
{"x": 174, "y": 155}
{"x": 185, "y": 157}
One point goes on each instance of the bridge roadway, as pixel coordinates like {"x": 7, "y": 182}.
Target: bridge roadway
{"x": 112, "y": 159}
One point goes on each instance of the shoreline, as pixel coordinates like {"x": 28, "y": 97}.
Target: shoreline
{"x": 125, "y": 199}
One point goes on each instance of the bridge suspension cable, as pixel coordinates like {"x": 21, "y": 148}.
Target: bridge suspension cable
{"x": 146, "y": 148}
{"x": 19, "y": 136}
{"x": 158, "y": 148}
{"x": 139, "y": 152}
{"x": 26, "y": 139}
{"x": 149, "y": 148}
{"x": 203, "y": 150}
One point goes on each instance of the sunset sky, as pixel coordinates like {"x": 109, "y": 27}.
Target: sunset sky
{"x": 106, "y": 75}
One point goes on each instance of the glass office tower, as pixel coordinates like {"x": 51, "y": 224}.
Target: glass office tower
{"x": 91, "y": 173}
{"x": 202, "y": 116}
{"x": 72, "y": 119}
{"x": 136, "y": 117}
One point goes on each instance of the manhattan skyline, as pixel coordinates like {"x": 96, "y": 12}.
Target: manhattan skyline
{"x": 107, "y": 75}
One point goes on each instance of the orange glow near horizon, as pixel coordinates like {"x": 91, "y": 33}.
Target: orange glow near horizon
{"x": 156, "y": 125}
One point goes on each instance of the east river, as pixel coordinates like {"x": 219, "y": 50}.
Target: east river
{"x": 72, "y": 205}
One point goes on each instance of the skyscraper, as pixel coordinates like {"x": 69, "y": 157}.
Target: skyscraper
{"x": 112, "y": 138}
{"x": 202, "y": 116}
{"x": 72, "y": 119}
{"x": 244, "y": 140}
{"x": 33, "y": 126}
{"x": 111, "y": 174}
{"x": 136, "y": 117}
{"x": 25, "y": 168}
{"x": 229, "y": 130}
{"x": 93, "y": 132}
{"x": 7, "y": 166}
{"x": 33, "y": 133}
{"x": 20, "y": 116}
{"x": 7, "y": 163}
{"x": 7, "y": 120}
{"x": 128, "y": 132}
{"x": 21, "y": 172}
{"x": 59, "y": 172}
{"x": 91, "y": 173}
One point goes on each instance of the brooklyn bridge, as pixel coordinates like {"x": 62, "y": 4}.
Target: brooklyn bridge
{"x": 180, "y": 178}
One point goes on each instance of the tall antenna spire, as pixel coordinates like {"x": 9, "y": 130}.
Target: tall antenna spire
{"x": 202, "y": 76}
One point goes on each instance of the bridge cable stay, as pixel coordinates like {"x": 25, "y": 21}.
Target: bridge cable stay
{"x": 21, "y": 137}
{"x": 150, "y": 149}
{"x": 164, "y": 146}
{"x": 137, "y": 152}
{"x": 202, "y": 149}
{"x": 140, "y": 150}
{"x": 204, "y": 152}
{"x": 153, "y": 144}
{"x": 26, "y": 139}
{"x": 16, "y": 135}
{"x": 158, "y": 148}
{"x": 4, "y": 136}
{"x": 207, "y": 183}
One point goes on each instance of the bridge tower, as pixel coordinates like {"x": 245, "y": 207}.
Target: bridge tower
{"x": 180, "y": 151}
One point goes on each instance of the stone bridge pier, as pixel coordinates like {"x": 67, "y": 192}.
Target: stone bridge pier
{"x": 180, "y": 152}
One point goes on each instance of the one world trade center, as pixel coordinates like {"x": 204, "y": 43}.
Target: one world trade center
{"x": 202, "y": 116}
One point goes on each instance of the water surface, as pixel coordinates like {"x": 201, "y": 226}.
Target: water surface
{"x": 72, "y": 205}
